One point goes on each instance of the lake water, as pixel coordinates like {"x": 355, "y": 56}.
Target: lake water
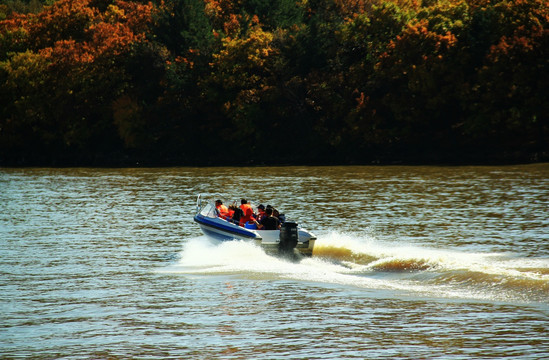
{"x": 410, "y": 263}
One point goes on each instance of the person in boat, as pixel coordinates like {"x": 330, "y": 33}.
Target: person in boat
{"x": 276, "y": 214}
{"x": 269, "y": 222}
{"x": 222, "y": 209}
{"x": 236, "y": 214}
{"x": 248, "y": 212}
{"x": 260, "y": 212}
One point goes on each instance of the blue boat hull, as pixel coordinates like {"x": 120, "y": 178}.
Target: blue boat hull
{"x": 224, "y": 230}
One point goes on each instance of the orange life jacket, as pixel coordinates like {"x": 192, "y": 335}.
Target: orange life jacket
{"x": 248, "y": 213}
{"x": 223, "y": 211}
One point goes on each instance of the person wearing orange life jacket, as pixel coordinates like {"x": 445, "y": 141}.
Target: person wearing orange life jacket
{"x": 260, "y": 212}
{"x": 235, "y": 214}
{"x": 248, "y": 212}
{"x": 222, "y": 209}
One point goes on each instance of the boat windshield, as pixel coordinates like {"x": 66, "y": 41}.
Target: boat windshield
{"x": 209, "y": 210}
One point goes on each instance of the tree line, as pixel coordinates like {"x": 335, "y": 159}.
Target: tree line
{"x": 243, "y": 82}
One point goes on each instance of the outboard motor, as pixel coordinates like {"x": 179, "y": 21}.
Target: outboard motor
{"x": 288, "y": 237}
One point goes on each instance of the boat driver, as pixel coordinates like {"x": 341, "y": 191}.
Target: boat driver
{"x": 222, "y": 209}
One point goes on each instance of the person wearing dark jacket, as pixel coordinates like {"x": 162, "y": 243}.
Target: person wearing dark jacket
{"x": 269, "y": 222}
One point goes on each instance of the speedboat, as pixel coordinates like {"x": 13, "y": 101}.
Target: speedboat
{"x": 291, "y": 238}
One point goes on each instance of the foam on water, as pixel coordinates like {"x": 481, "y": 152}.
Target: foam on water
{"x": 362, "y": 261}
{"x": 383, "y": 256}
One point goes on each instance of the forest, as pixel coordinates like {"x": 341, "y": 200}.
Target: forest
{"x": 273, "y": 82}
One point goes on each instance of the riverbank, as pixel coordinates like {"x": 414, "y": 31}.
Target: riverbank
{"x": 122, "y": 160}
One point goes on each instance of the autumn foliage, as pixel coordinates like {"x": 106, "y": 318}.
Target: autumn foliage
{"x": 193, "y": 82}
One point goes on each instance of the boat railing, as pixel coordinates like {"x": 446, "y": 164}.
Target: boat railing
{"x": 198, "y": 203}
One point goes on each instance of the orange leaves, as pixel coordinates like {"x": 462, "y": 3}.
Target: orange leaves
{"x": 419, "y": 34}
{"x": 361, "y": 100}
{"x": 507, "y": 45}
{"x": 14, "y": 35}
{"x": 77, "y": 20}
{"x": 66, "y": 52}
{"x": 220, "y": 9}
{"x": 351, "y": 9}
{"x": 65, "y": 19}
{"x": 105, "y": 40}
{"x": 418, "y": 45}
{"x": 232, "y": 25}
{"x": 223, "y": 15}
{"x": 13, "y": 23}
{"x": 112, "y": 39}
{"x": 71, "y": 31}
{"x": 523, "y": 41}
{"x": 136, "y": 15}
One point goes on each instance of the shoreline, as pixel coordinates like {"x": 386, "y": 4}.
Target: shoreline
{"x": 143, "y": 162}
